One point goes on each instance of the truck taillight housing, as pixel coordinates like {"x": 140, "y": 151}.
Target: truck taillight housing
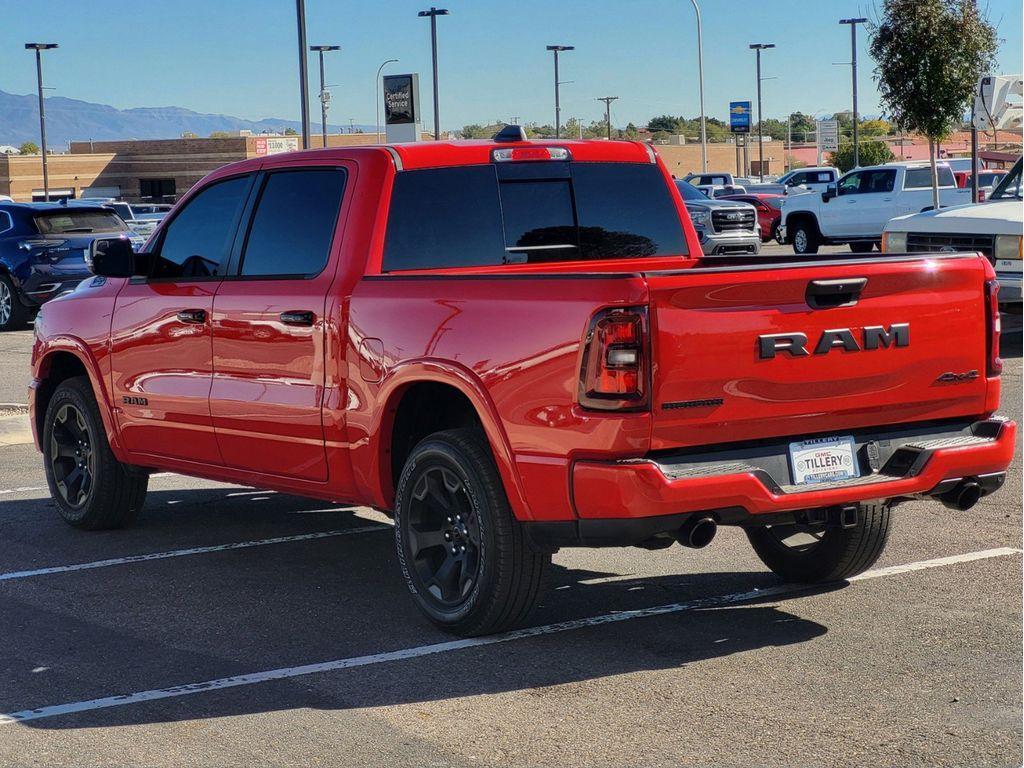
{"x": 615, "y": 372}
{"x": 995, "y": 327}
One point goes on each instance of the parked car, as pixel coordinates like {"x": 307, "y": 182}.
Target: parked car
{"x": 987, "y": 180}
{"x": 513, "y": 347}
{"x": 43, "y": 249}
{"x": 723, "y": 227}
{"x": 716, "y": 179}
{"x": 769, "y": 212}
{"x": 994, "y": 228}
{"x": 142, "y": 224}
{"x": 856, "y": 209}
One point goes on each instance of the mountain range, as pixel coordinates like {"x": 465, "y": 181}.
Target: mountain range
{"x": 75, "y": 120}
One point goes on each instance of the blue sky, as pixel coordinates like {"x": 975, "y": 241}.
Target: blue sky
{"x": 238, "y": 57}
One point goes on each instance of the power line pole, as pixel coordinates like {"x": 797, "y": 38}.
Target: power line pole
{"x": 324, "y": 96}
{"x": 608, "y": 111}
{"x": 39, "y": 48}
{"x": 853, "y": 65}
{"x": 758, "y": 47}
{"x": 300, "y": 14}
{"x": 433, "y": 13}
{"x": 558, "y": 107}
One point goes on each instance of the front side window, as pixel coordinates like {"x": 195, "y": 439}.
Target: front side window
{"x": 293, "y": 226}
{"x": 850, "y": 184}
{"x": 197, "y": 242}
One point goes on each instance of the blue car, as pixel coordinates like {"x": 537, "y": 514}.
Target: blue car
{"x": 42, "y": 253}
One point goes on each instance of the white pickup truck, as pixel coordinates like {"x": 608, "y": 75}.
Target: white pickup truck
{"x": 994, "y": 227}
{"x": 856, "y": 209}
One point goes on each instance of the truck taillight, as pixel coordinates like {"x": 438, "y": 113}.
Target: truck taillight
{"x": 995, "y": 327}
{"x": 616, "y": 370}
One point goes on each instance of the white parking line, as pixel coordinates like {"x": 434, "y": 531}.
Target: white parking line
{"x": 155, "y": 475}
{"x": 12, "y": 575}
{"x": 254, "y": 678}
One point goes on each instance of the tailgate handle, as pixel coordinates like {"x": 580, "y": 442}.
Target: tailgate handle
{"x": 827, "y": 294}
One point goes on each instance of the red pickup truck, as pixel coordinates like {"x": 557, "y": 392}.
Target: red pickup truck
{"x": 513, "y": 347}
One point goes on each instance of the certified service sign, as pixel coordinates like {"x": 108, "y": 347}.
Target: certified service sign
{"x": 401, "y": 99}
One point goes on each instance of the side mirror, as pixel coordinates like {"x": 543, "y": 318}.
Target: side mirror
{"x": 831, "y": 191}
{"x": 111, "y": 257}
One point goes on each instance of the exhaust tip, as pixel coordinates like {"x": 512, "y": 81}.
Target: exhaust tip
{"x": 697, "y": 532}
{"x": 963, "y": 496}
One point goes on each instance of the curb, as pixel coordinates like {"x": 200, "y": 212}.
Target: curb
{"x": 15, "y": 430}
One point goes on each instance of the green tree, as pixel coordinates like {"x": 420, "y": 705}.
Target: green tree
{"x": 290, "y": 132}
{"x": 29, "y": 148}
{"x": 220, "y": 134}
{"x": 871, "y": 153}
{"x": 875, "y": 128}
{"x": 665, "y": 124}
{"x": 189, "y": 135}
{"x": 930, "y": 54}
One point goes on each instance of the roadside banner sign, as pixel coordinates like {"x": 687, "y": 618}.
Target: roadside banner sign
{"x": 828, "y": 135}
{"x": 739, "y": 116}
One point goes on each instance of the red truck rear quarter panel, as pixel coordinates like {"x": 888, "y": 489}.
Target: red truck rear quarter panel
{"x": 513, "y": 342}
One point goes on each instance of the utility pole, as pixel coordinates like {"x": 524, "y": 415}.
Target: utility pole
{"x": 433, "y": 13}
{"x": 758, "y": 47}
{"x": 700, "y": 78}
{"x": 324, "y": 96}
{"x": 789, "y": 140}
{"x": 853, "y": 65}
{"x": 558, "y": 107}
{"x": 608, "y": 112}
{"x": 39, "y": 48}
{"x": 300, "y": 14}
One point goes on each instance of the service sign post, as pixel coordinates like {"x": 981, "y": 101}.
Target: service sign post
{"x": 402, "y": 107}
{"x": 828, "y": 137}
{"x": 739, "y": 116}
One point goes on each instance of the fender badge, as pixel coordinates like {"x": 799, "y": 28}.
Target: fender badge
{"x": 956, "y": 378}
{"x": 135, "y": 400}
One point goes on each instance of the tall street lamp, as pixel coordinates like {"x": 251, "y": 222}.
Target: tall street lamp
{"x": 608, "y": 112}
{"x": 321, "y": 49}
{"x": 558, "y": 107}
{"x": 300, "y": 17}
{"x": 377, "y": 86}
{"x": 39, "y": 48}
{"x": 853, "y": 64}
{"x": 433, "y": 13}
{"x": 700, "y": 78}
{"x": 758, "y": 47}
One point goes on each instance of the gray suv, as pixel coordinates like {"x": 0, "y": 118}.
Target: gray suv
{"x": 723, "y": 226}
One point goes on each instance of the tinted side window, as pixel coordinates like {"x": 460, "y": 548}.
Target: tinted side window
{"x": 444, "y": 217}
{"x": 919, "y": 178}
{"x": 294, "y": 222}
{"x": 851, "y": 184}
{"x": 798, "y": 179}
{"x": 196, "y": 243}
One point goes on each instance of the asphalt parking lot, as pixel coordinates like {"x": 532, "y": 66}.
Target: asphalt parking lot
{"x": 235, "y": 627}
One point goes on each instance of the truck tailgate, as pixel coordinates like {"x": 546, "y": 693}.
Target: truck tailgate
{"x": 729, "y": 363}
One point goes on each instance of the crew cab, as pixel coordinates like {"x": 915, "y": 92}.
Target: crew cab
{"x": 512, "y": 347}
{"x": 856, "y": 209}
{"x": 993, "y": 228}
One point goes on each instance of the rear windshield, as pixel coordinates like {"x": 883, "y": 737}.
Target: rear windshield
{"x": 69, "y": 221}
{"x": 524, "y": 213}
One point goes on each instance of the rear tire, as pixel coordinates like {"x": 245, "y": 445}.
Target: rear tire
{"x": 464, "y": 557}
{"x": 805, "y": 238}
{"x": 13, "y": 314}
{"x": 838, "y": 553}
{"x": 91, "y": 488}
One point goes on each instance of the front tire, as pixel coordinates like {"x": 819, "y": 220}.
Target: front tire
{"x": 811, "y": 556}
{"x": 13, "y": 314}
{"x": 805, "y": 238}
{"x": 464, "y": 557}
{"x": 91, "y": 488}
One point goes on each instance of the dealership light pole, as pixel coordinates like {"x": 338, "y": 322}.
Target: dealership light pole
{"x": 39, "y": 48}
{"x": 758, "y": 47}
{"x": 700, "y": 79}
{"x": 853, "y": 65}
{"x": 300, "y": 15}
{"x": 321, "y": 49}
{"x": 608, "y": 111}
{"x": 377, "y": 86}
{"x": 558, "y": 107}
{"x": 433, "y": 13}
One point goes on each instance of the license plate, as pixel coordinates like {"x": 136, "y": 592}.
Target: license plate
{"x": 823, "y": 460}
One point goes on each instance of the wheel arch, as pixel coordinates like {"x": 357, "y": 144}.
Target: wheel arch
{"x": 457, "y": 398}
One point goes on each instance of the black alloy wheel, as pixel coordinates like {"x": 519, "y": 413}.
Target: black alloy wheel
{"x": 71, "y": 455}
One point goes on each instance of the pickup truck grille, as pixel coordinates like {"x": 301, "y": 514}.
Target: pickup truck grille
{"x": 920, "y": 242}
{"x": 732, "y": 219}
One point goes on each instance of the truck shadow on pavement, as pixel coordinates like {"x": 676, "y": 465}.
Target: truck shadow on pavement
{"x": 115, "y": 630}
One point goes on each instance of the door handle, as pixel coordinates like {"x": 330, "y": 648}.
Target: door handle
{"x": 194, "y": 316}
{"x": 298, "y": 317}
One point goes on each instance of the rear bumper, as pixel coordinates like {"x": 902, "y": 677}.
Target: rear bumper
{"x": 627, "y": 501}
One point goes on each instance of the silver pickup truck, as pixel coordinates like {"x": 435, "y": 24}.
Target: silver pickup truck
{"x": 723, "y": 226}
